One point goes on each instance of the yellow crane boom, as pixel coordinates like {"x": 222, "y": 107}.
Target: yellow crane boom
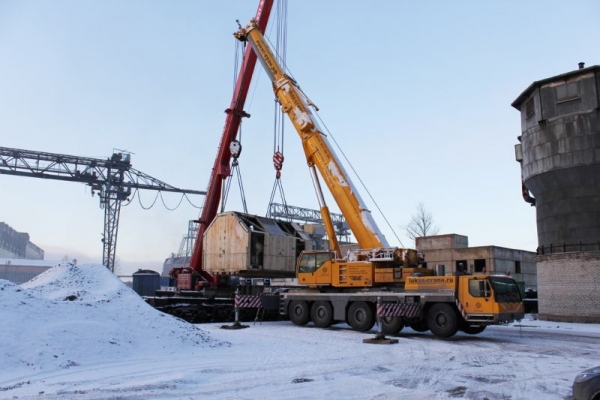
{"x": 317, "y": 149}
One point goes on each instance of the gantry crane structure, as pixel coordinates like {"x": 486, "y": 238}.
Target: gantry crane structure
{"x": 113, "y": 179}
{"x": 286, "y": 211}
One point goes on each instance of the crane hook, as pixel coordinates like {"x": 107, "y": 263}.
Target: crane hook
{"x": 278, "y": 163}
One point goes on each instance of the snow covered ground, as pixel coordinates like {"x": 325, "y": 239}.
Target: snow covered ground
{"x": 76, "y": 332}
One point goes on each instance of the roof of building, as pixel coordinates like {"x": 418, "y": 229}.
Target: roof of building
{"x": 535, "y": 85}
{"x": 28, "y": 263}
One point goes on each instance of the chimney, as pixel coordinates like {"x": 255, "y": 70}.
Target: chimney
{"x": 581, "y": 65}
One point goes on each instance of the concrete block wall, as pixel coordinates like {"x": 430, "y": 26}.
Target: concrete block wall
{"x": 449, "y": 241}
{"x": 560, "y": 157}
{"x": 569, "y": 287}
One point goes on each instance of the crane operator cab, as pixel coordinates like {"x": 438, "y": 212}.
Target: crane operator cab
{"x": 490, "y": 298}
{"x": 314, "y": 267}
{"x": 322, "y": 268}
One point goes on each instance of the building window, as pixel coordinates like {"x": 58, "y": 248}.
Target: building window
{"x": 461, "y": 266}
{"x": 567, "y": 92}
{"x": 517, "y": 267}
{"x": 529, "y": 108}
{"x": 480, "y": 265}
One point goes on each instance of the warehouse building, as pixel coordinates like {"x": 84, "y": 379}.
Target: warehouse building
{"x": 15, "y": 244}
{"x": 450, "y": 253}
{"x": 21, "y": 270}
{"x": 20, "y": 260}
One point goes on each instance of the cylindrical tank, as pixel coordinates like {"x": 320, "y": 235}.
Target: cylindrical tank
{"x": 559, "y": 153}
{"x": 145, "y": 282}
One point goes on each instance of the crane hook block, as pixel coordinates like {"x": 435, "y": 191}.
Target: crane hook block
{"x": 235, "y": 148}
{"x": 278, "y": 160}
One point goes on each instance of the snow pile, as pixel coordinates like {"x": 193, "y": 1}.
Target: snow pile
{"x": 80, "y": 315}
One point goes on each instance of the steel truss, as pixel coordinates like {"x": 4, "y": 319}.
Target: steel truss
{"x": 113, "y": 179}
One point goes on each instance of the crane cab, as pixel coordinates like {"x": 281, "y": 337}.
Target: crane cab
{"x": 321, "y": 268}
{"x": 491, "y": 298}
{"x": 314, "y": 267}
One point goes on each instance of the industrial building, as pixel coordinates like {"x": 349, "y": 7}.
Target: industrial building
{"x": 450, "y": 253}
{"x": 559, "y": 154}
{"x": 18, "y": 270}
{"x": 20, "y": 260}
{"x": 15, "y": 244}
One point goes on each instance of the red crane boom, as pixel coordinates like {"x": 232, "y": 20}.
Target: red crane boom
{"x": 221, "y": 168}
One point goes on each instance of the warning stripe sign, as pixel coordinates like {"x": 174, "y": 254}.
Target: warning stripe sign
{"x": 461, "y": 309}
{"x": 247, "y": 301}
{"x": 408, "y": 310}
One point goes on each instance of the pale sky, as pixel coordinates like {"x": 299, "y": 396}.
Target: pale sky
{"x": 417, "y": 94}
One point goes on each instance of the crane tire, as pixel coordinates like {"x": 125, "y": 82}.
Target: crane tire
{"x": 321, "y": 313}
{"x": 299, "y": 312}
{"x": 420, "y": 326}
{"x": 391, "y": 325}
{"x": 201, "y": 316}
{"x": 442, "y": 320}
{"x": 473, "y": 329}
{"x": 221, "y": 314}
{"x": 360, "y": 316}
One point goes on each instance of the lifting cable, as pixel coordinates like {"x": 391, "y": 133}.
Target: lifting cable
{"x": 278, "y": 125}
{"x": 235, "y": 166}
{"x": 236, "y": 149}
{"x": 236, "y": 145}
{"x": 239, "y": 48}
{"x": 358, "y": 177}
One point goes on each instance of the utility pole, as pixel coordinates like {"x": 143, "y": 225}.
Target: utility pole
{"x": 113, "y": 179}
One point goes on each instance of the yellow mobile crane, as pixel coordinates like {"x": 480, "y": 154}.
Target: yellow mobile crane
{"x": 347, "y": 289}
{"x": 376, "y": 263}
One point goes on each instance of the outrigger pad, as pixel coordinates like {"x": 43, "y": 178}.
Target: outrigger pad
{"x": 236, "y": 325}
{"x": 380, "y": 340}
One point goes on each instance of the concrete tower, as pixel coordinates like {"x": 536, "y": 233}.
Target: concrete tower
{"x": 559, "y": 153}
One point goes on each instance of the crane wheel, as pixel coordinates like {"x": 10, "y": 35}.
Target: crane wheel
{"x": 321, "y": 313}
{"x": 221, "y": 314}
{"x": 442, "y": 320}
{"x": 201, "y": 316}
{"x": 360, "y": 316}
{"x": 391, "y": 325}
{"x": 473, "y": 329}
{"x": 420, "y": 326}
{"x": 299, "y": 312}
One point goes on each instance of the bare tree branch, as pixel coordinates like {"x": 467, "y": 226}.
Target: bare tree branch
{"x": 421, "y": 224}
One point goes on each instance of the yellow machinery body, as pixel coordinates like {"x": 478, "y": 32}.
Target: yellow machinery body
{"x": 321, "y": 268}
{"x": 479, "y": 294}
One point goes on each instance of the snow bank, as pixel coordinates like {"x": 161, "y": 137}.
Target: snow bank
{"x": 80, "y": 315}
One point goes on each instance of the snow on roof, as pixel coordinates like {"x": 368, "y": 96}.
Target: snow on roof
{"x": 28, "y": 263}
{"x": 77, "y": 315}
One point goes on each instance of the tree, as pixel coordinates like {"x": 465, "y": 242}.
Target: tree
{"x": 118, "y": 268}
{"x": 67, "y": 260}
{"x": 421, "y": 224}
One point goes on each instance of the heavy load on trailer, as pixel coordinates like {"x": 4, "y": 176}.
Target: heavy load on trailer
{"x": 243, "y": 244}
{"x": 240, "y": 251}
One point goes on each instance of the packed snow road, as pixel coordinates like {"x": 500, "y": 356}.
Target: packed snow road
{"x": 76, "y": 332}
{"x": 279, "y": 360}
